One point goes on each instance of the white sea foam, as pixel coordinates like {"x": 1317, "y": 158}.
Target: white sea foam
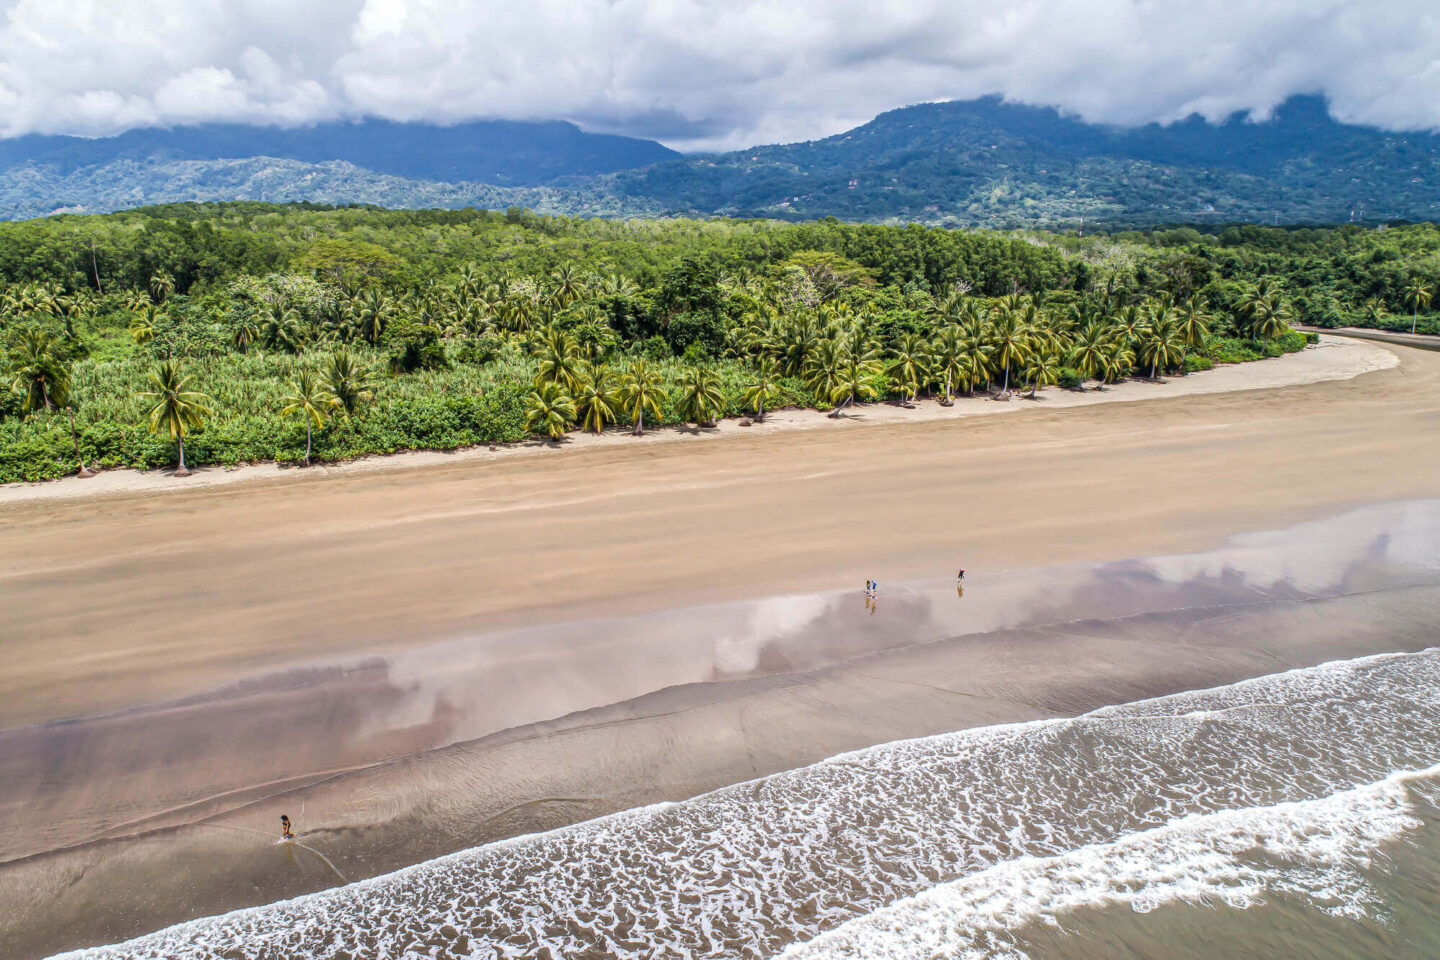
{"x": 752, "y": 869}
{"x": 1315, "y": 849}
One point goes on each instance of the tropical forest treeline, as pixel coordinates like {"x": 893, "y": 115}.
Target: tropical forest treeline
{"x": 241, "y": 332}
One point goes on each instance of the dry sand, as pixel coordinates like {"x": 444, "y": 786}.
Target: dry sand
{"x": 116, "y": 602}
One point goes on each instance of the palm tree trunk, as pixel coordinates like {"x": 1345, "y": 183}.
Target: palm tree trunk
{"x": 1414, "y": 315}
{"x": 75, "y": 438}
{"x": 95, "y": 268}
{"x": 1153, "y": 364}
{"x": 307, "y": 442}
{"x": 639, "y": 430}
{"x": 760, "y": 416}
{"x": 182, "y": 470}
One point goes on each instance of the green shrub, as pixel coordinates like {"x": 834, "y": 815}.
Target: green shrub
{"x": 479, "y": 350}
{"x": 1291, "y": 341}
{"x": 654, "y": 348}
{"x": 414, "y": 346}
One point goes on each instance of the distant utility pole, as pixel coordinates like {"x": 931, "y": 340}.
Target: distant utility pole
{"x": 1082, "y": 226}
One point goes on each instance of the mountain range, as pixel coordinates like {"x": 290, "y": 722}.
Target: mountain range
{"x": 975, "y": 162}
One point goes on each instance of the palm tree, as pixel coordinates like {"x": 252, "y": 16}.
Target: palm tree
{"x": 1162, "y": 344}
{"x": 142, "y": 324}
{"x": 42, "y": 378}
{"x": 372, "y": 316}
{"x": 161, "y": 286}
{"x": 1130, "y": 327}
{"x": 701, "y": 399}
{"x": 1042, "y": 370}
{"x": 797, "y": 343}
{"x": 178, "y": 410}
{"x": 1375, "y": 312}
{"x": 974, "y": 367}
{"x": 1120, "y": 360}
{"x": 39, "y": 375}
{"x": 615, "y": 285}
{"x": 641, "y": 391}
{"x": 856, "y": 339}
{"x": 347, "y": 380}
{"x": 244, "y": 333}
{"x": 549, "y": 408}
{"x": 282, "y": 329}
{"x": 596, "y": 399}
{"x": 1009, "y": 341}
{"x": 559, "y": 360}
{"x": 854, "y": 382}
{"x": 469, "y": 282}
{"x": 569, "y": 285}
{"x": 762, "y": 387}
{"x": 1090, "y": 355}
{"x": 1193, "y": 325}
{"x": 1269, "y": 317}
{"x": 1417, "y": 295}
{"x": 309, "y": 398}
{"x": 909, "y": 364}
{"x": 947, "y": 352}
{"x": 1263, "y": 291}
{"x": 822, "y": 370}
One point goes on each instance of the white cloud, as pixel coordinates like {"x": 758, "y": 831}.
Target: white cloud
{"x": 703, "y": 74}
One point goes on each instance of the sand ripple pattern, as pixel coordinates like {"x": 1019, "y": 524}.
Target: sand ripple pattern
{"x": 752, "y": 869}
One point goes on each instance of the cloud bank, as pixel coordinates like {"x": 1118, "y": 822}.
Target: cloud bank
{"x": 703, "y": 75}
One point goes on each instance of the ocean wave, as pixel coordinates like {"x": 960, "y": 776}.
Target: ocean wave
{"x": 1315, "y": 849}
{"x": 752, "y": 869}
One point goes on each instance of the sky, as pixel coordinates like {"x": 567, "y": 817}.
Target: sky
{"x": 703, "y": 75}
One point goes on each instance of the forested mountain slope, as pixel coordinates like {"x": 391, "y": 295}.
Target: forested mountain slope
{"x": 987, "y": 162}
{"x": 373, "y": 161}
{"x": 965, "y": 163}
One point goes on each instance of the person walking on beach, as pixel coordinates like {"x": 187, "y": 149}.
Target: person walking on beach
{"x": 285, "y": 832}
{"x": 960, "y": 576}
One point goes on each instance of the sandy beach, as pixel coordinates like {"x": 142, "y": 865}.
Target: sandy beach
{"x": 266, "y": 607}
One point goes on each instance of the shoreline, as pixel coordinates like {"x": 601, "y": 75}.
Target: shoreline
{"x": 1335, "y": 358}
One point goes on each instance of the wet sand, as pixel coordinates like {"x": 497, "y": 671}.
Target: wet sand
{"x": 277, "y": 631}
